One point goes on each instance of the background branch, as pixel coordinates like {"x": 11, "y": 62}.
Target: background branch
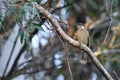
{"x": 69, "y": 4}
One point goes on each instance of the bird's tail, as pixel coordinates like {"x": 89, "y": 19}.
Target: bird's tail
{"x": 84, "y": 58}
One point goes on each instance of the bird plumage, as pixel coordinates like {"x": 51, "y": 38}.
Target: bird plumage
{"x": 82, "y": 35}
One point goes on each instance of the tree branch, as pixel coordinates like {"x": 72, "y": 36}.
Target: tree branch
{"x": 69, "y": 4}
{"x": 73, "y": 42}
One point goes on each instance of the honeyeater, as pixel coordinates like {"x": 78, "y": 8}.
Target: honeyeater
{"x": 82, "y": 35}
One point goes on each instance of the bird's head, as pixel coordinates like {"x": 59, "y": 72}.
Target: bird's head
{"x": 80, "y": 26}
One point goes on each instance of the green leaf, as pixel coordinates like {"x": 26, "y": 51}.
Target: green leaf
{"x": 17, "y": 18}
{"x": 23, "y": 12}
{"x": 38, "y": 1}
{"x": 35, "y": 25}
{"x": 35, "y": 12}
{"x": 21, "y": 34}
{"x": 1, "y": 16}
{"x": 27, "y": 40}
{"x": 9, "y": 11}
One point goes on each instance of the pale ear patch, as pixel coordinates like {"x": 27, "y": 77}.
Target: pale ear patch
{"x": 82, "y": 27}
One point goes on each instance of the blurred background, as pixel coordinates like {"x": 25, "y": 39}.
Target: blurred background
{"x": 31, "y": 49}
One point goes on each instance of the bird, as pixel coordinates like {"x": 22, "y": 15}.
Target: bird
{"x": 82, "y": 35}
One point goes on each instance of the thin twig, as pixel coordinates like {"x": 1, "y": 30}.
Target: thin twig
{"x": 110, "y": 22}
{"x": 116, "y": 75}
{"x": 68, "y": 63}
{"x": 48, "y": 27}
{"x": 69, "y": 4}
{"x": 66, "y": 56}
{"x": 56, "y": 34}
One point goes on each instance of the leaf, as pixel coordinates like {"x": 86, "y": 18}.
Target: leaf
{"x": 27, "y": 40}
{"x": 35, "y": 12}
{"x": 35, "y": 25}
{"x": 23, "y": 12}
{"x": 38, "y": 1}
{"x": 9, "y": 11}
{"x": 21, "y": 34}
{"x": 17, "y": 18}
{"x": 0, "y": 16}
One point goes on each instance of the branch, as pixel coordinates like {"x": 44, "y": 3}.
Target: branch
{"x": 67, "y": 5}
{"x": 68, "y": 63}
{"x": 33, "y": 64}
{"x": 107, "y": 52}
{"x": 73, "y": 42}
